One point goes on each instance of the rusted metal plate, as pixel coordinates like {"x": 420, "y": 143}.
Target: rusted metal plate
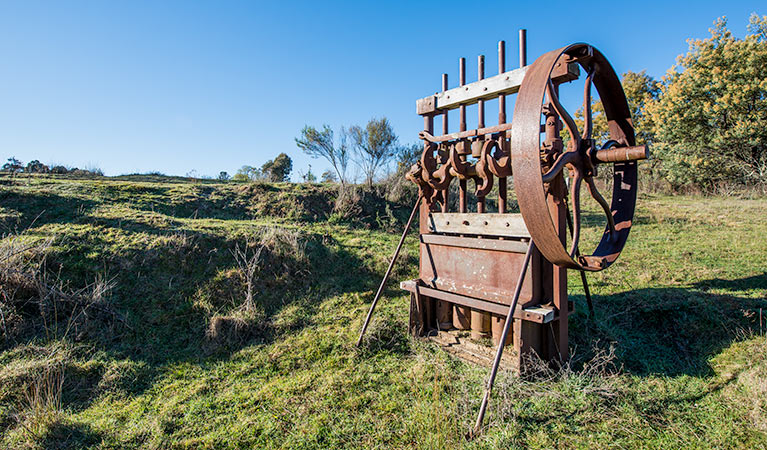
{"x": 484, "y": 274}
{"x": 508, "y": 224}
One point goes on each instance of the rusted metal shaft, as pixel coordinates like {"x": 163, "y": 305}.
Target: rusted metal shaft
{"x": 446, "y": 191}
{"x": 620, "y": 154}
{"x": 465, "y": 134}
{"x": 522, "y": 47}
{"x": 504, "y": 335}
{"x": 388, "y": 271}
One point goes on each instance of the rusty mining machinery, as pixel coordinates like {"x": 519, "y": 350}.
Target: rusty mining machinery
{"x": 479, "y": 268}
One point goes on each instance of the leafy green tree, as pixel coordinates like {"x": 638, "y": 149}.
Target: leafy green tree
{"x": 711, "y": 118}
{"x": 36, "y": 166}
{"x": 374, "y": 146}
{"x": 321, "y": 143}
{"x": 13, "y": 165}
{"x": 278, "y": 169}
{"x": 248, "y": 173}
{"x": 223, "y": 176}
{"x": 328, "y": 176}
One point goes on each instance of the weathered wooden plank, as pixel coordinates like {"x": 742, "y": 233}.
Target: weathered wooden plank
{"x": 486, "y": 89}
{"x": 507, "y": 224}
{"x": 532, "y": 314}
{"x": 512, "y": 246}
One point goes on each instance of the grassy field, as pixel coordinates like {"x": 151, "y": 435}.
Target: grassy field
{"x": 161, "y": 353}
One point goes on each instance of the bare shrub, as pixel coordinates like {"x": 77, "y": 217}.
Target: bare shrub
{"x": 32, "y": 297}
{"x": 78, "y": 310}
{"x": 272, "y": 251}
{"x": 21, "y": 266}
{"x": 248, "y": 259}
{"x": 285, "y": 242}
{"x": 348, "y": 202}
{"x": 279, "y": 243}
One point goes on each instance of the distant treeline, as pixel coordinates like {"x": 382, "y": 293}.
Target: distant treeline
{"x": 16, "y": 166}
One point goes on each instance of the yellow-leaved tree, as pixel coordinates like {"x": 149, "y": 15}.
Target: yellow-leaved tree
{"x": 710, "y": 121}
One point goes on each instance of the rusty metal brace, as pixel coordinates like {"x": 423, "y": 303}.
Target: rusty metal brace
{"x": 502, "y": 343}
{"x": 388, "y": 271}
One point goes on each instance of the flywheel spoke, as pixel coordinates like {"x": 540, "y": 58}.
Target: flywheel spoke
{"x": 564, "y": 159}
{"x": 572, "y": 128}
{"x": 603, "y": 203}
{"x": 575, "y": 193}
{"x": 587, "y": 120}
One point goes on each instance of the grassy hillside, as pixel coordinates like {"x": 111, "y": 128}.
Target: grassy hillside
{"x": 140, "y": 339}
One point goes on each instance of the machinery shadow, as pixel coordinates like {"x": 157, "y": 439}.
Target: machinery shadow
{"x": 672, "y": 331}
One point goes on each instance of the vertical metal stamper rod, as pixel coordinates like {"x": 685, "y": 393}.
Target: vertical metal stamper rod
{"x": 499, "y": 352}
{"x": 462, "y": 127}
{"x": 522, "y": 47}
{"x": 481, "y": 103}
{"x": 462, "y": 314}
{"x": 481, "y": 322}
{"x": 446, "y": 191}
{"x": 501, "y": 69}
{"x": 480, "y": 119}
{"x": 502, "y": 189}
{"x": 388, "y": 271}
{"x": 444, "y": 309}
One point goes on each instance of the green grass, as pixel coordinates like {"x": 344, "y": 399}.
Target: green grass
{"x": 680, "y": 311}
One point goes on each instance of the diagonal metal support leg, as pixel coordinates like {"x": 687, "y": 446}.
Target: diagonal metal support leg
{"x": 388, "y": 271}
{"x": 504, "y": 335}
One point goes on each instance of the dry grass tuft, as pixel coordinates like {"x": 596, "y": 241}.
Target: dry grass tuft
{"x": 41, "y": 405}
{"x": 236, "y": 328}
{"x": 385, "y": 333}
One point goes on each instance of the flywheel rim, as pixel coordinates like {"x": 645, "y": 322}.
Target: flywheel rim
{"x": 528, "y": 171}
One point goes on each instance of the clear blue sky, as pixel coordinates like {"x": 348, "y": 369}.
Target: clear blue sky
{"x": 137, "y": 86}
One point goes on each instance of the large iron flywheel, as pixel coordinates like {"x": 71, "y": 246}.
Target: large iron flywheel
{"x": 537, "y": 167}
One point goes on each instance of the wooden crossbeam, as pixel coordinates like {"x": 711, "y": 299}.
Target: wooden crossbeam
{"x": 486, "y": 89}
{"x": 537, "y": 314}
{"x": 513, "y": 246}
{"x": 507, "y": 224}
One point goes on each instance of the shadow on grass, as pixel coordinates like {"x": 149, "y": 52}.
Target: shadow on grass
{"x": 66, "y": 436}
{"x": 40, "y": 209}
{"x": 671, "y": 331}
